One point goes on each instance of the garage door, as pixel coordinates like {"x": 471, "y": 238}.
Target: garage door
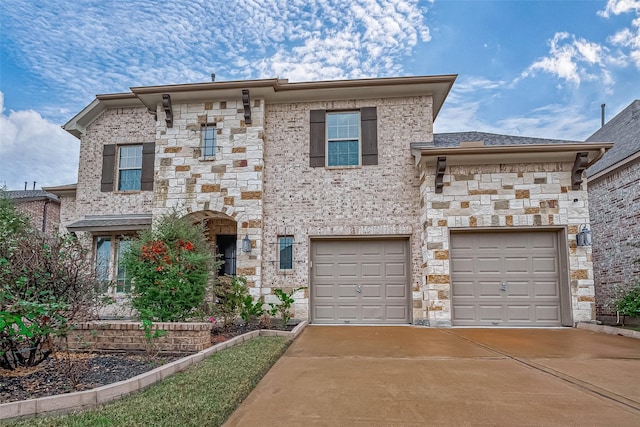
{"x": 360, "y": 281}
{"x": 509, "y": 279}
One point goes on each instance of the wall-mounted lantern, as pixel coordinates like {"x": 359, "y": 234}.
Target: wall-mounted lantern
{"x": 584, "y": 235}
{"x": 246, "y": 244}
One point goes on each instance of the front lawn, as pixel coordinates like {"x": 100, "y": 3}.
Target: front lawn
{"x": 204, "y": 395}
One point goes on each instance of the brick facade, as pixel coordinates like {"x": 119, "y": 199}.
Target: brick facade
{"x": 615, "y": 219}
{"x": 375, "y": 200}
{"x": 44, "y": 213}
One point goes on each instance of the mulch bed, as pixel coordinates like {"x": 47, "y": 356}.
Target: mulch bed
{"x": 90, "y": 370}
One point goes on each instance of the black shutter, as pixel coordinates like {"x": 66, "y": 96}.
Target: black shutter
{"x": 148, "y": 156}
{"x": 369, "y": 126}
{"x": 317, "y": 138}
{"x": 108, "y": 166}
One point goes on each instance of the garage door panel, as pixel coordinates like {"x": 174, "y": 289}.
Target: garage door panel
{"x": 547, "y": 313}
{"x": 515, "y": 265}
{"x": 545, "y": 289}
{"x": 324, "y": 269}
{"x": 526, "y": 261}
{"x": 324, "y": 312}
{"x": 371, "y": 269}
{"x": 379, "y": 269}
{"x": 324, "y": 291}
{"x": 517, "y": 290}
{"x": 488, "y": 312}
{"x": 463, "y": 289}
{"x": 396, "y": 291}
{"x": 346, "y": 290}
{"x": 372, "y": 291}
{"x": 347, "y": 270}
{"x": 395, "y": 269}
{"x": 397, "y": 313}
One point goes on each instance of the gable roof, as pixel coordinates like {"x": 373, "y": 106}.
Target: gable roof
{"x": 31, "y": 195}
{"x": 624, "y": 131}
{"x": 455, "y": 138}
{"x": 272, "y": 90}
{"x": 467, "y": 148}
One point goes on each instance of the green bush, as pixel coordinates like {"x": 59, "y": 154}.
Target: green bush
{"x": 629, "y": 303}
{"x": 45, "y": 285}
{"x": 283, "y": 307}
{"x": 170, "y": 267}
{"x": 230, "y": 292}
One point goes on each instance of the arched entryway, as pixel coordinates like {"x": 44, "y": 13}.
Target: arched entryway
{"x": 221, "y": 232}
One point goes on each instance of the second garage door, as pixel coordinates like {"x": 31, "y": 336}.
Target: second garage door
{"x": 505, "y": 278}
{"x": 360, "y": 281}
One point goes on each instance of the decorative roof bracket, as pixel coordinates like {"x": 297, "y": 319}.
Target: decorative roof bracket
{"x": 580, "y": 164}
{"x": 166, "y": 104}
{"x": 247, "y": 106}
{"x": 441, "y": 166}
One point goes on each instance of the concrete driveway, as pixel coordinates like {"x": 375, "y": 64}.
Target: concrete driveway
{"x": 404, "y": 376}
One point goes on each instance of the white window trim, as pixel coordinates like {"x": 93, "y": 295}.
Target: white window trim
{"x": 214, "y": 127}
{"x": 118, "y": 168}
{"x": 326, "y": 143}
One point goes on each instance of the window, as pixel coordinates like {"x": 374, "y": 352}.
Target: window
{"x": 285, "y": 252}
{"x": 123, "y": 281}
{"x": 129, "y": 167}
{"x": 343, "y": 138}
{"x": 103, "y": 257}
{"x": 208, "y": 140}
{"x": 110, "y": 267}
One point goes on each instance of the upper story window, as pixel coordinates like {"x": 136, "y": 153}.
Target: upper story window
{"x": 343, "y": 138}
{"x": 285, "y": 252}
{"x": 209, "y": 140}
{"x": 129, "y": 167}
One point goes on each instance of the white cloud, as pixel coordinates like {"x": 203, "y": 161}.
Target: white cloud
{"x": 616, "y": 7}
{"x": 119, "y": 44}
{"x": 573, "y": 60}
{"x": 34, "y": 149}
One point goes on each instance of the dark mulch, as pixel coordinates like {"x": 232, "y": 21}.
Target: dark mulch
{"x": 90, "y": 370}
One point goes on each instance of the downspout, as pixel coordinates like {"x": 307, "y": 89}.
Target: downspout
{"x": 44, "y": 215}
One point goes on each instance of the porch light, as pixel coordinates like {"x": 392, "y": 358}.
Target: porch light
{"x": 246, "y": 244}
{"x": 584, "y": 236}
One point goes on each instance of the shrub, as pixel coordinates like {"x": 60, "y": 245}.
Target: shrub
{"x": 629, "y": 303}
{"x": 230, "y": 293}
{"x": 45, "y": 285}
{"x": 283, "y": 307}
{"x": 170, "y": 267}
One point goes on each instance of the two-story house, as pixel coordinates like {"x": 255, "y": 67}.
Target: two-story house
{"x": 341, "y": 187}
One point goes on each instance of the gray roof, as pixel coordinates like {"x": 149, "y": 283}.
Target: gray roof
{"x": 30, "y": 195}
{"x": 624, "y": 131}
{"x": 111, "y": 223}
{"x": 454, "y": 139}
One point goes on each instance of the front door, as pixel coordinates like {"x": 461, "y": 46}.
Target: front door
{"x": 226, "y": 249}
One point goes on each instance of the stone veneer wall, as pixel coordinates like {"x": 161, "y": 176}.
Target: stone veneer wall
{"x": 230, "y": 184}
{"x": 615, "y": 218}
{"x": 506, "y": 195}
{"x": 302, "y": 201}
{"x": 127, "y": 336}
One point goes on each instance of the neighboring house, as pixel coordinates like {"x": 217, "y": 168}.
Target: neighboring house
{"x": 614, "y": 193}
{"x": 341, "y": 187}
{"x": 42, "y": 207}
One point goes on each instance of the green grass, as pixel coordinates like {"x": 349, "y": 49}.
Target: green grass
{"x": 204, "y": 395}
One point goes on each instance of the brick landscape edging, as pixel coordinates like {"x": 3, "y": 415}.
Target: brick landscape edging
{"x": 608, "y": 330}
{"x": 83, "y": 400}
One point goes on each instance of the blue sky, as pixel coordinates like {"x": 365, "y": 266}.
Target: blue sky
{"x": 533, "y": 68}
